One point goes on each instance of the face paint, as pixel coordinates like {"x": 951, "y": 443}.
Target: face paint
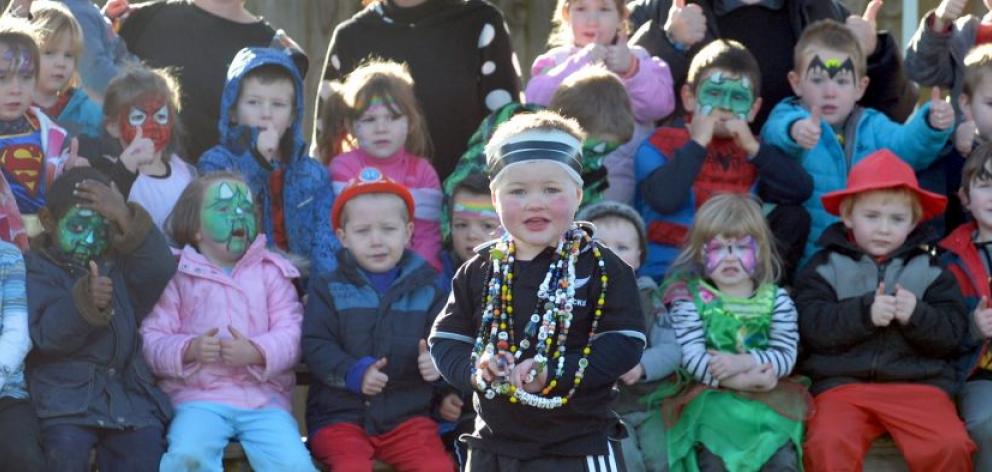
{"x": 18, "y": 61}
{"x": 832, "y": 67}
{"x": 227, "y": 217}
{"x": 151, "y": 113}
{"x": 83, "y": 234}
{"x": 744, "y": 249}
{"x": 719, "y": 92}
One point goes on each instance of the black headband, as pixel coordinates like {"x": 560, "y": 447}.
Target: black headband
{"x": 520, "y": 151}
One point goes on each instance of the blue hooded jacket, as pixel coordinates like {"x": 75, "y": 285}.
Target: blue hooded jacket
{"x": 307, "y": 193}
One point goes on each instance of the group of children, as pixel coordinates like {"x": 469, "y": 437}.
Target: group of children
{"x": 762, "y": 300}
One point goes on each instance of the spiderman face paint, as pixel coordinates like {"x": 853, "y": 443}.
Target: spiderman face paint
{"x": 720, "y": 250}
{"x": 150, "y": 114}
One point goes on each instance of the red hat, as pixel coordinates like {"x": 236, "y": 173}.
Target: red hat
{"x": 881, "y": 170}
{"x": 369, "y": 180}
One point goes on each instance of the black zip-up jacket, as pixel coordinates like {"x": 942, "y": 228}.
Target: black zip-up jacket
{"x": 840, "y": 344}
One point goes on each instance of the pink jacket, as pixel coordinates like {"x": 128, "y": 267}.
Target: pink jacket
{"x": 419, "y": 176}
{"x": 652, "y": 94}
{"x": 258, "y": 299}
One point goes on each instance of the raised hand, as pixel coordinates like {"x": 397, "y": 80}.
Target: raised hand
{"x": 702, "y": 125}
{"x": 451, "y": 407}
{"x": 104, "y": 200}
{"x": 426, "y": 365}
{"x": 883, "y": 309}
{"x": 374, "y": 380}
{"x": 743, "y": 136}
{"x": 806, "y": 132}
{"x": 865, "y": 27}
{"x": 983, "y": 318}
{"x": 239, "y": 351}
{"x": 964, "y": 136}
{"x": 686, "y": 24}
{"x": 905, "y": 304}
{"x": 941, "y": 113}
{"x": 618, "y": 57}
{"x": 947, "y": 12}
{"x": 139, "y": 152}
{"x": 204, "y": 348}
{"x": 101, "y": 288}
{"x": 73, "y": 159}
{"x": 267, "y": 143}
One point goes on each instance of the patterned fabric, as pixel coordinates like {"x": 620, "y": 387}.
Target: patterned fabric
{"x": 15, "y": 342}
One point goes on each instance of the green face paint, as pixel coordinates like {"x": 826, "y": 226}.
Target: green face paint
{"x": 719, "y": 92}
{"x": 227, "y": 217}
{"x": 83, "y": 234}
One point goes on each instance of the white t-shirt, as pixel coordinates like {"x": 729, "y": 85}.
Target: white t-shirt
{"x": 159, "y": 194}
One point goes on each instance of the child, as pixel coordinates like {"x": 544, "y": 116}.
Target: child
{"x": 21, "y": 445}
{"x": 140, "y": 111}
{"x": 390, "y": 134}
{"x": 620, "y": 228}
{"x": 543, "y": 323}
{"x": 595, "y": 32}
{"x": 713, "y": 151}
{"x": 738, "y": 334}
{"x": 93, "y": 275}
{"x": 61, "y": 45}
{"x": 473, "y": 222}
{"x": 262, "y": 139}
{"x": 881, "y": 324}
{"x": 363, "y": 338}
{"x": 824, "y": 129}
{"x": 968, "y": 258}
{"x": 595, "y": 98}
{"x": 224, "y": 338}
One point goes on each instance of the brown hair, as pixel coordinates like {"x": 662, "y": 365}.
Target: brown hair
{"x": 136, "y": 81}
{"x": 376, "y": 79}
{"x": 832, "y": 35}
{"x": 18, "y": 34}
{"x": 977, "y": 64}
{"x": 978, "y": 166}
{"x": 726, "y": 55}
{"x": 561, "y": 34}
{"x": 52, "y": 22}
{"x": 887, "y": 194}
{"x": 184, "y": 221}
{"x": 597, "y": 99}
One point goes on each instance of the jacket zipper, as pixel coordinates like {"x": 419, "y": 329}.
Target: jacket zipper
{"x": 874, "y": 358}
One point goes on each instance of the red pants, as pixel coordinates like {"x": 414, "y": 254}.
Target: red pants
{"x": 414, "y": 445}
{"x": 920, "y": 418}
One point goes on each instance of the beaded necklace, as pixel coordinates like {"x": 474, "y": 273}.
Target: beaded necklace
{"x": 547, "y": 329}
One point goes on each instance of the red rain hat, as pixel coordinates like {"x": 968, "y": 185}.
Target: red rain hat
{"x": 881, "y": 170}
{"x": 369, "y": 180}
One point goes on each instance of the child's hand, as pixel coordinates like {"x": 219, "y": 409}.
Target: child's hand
{"x": 883, "y": 309}
{"x": 723, "y": 365}
{"x": 374, "y": 380}
{"x": 492, "y": 367}
{"x": 806, "y": 132}
{"x": 101, "y": 288}
{"x": 760, "y": 378}
{"x": 964, "y": 137}
{"x": 701, "y": 127}
{"x": 864, "y": 27}
{"x": 686, "y": 24}
{"x": 204, "y": 348}
{"x": 618, "y": 57}
{"x": 239, "y": 352}
{"x": 941, "y": 112}
{"x": 451, "y": 407}
{"x": 633, "y": 375}
{"x": 595, "y": 52}
{"x": 518, "y": 376}
{"x": 983, "y": 318}
{"x": 905, "y": 304}
{"x": 947, "y": 12}
{"x": 743, "y": 136}
{"x": 139, "y": 152}
{"x": 104, "y": 200}
{"x": 73, "y": 159}
{"x": 114, "y": 9}
{"x": 426, "y": 364}
{"x": 267, "y": 143}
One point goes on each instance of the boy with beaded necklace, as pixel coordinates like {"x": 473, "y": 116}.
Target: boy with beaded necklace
{"x": 542, "y": 322}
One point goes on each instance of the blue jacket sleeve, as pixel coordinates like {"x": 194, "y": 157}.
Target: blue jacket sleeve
{"x": 776, "y": 129}
{"x": 322, "y": 352}
{"x": 325, "y": 244}
{"x": 916, "y": 142}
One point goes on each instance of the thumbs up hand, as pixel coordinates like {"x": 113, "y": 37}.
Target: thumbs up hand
{"x": 905, "y": 304}
{"x": 204, "y": 348}
{"x": 865, "y": 27}
{"x": 426, "y": 364}
{"x": 806, "y": 132}
{"x": 947, "y": 12}
{"x": 239, "y": 351}
{"x": 983, "y": 318}
{"x": 374, "y": 380}
{"x": 686, "y": 24}
{"x": 101, "y": 288}
{"x": 941, "y": 113}
{"x": 883, "y": 309}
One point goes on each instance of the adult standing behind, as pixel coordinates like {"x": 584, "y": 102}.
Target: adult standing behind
{"x": 459, "y": 55}
{"x": 675, "y": 30}
{"x": 199, "y": 38}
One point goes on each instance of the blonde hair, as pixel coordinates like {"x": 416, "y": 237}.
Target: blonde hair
{"x": 560, "y": 32}
{"x": 977, "y": 64}
{"x": 375, "y": 79}
{"x": 52, "y": 22}
{"x": 597, "y": 99}
{"x": 887, "y": 195}
{"x": 833, "y": 35}
{"x": 730, "y": 215}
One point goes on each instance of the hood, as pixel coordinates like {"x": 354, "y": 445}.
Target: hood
{"x": 193, "y": 263}
{"x": 241, "y": 138}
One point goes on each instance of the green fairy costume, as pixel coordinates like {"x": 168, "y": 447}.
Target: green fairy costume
{"x": 743, "y": 428}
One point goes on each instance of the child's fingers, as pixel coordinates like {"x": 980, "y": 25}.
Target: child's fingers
{"x": 935, "y": 94}
{"x": 871, "y": 11}
{"x": 94, "y": 270}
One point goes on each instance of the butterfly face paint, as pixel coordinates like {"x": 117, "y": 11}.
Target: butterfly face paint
{"x": 724, "y": 93}
{"x": 18, "y": 73}
{"x": 82, "y": 234}
{"x": 150, "y": 113}
{"x": 831, "y": 67}
{"x": 718, "y": 249}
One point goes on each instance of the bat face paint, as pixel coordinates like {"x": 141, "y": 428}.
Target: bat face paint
{"x": 831, "y": 67}
{"x": 718, "y": 249}
{"x": 721, "y": 92}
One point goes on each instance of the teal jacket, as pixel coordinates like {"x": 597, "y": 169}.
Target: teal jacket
{"x": 81, "y": 116}
{"x": 866, "y": 131}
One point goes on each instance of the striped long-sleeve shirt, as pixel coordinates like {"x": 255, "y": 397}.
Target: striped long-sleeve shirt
{"x": 783, "y": 339}
{"x": 15, "y": 342}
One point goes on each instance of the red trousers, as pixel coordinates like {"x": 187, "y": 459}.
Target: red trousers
{"x": 921, "y": 419}
{"x": 414, "y": 445}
